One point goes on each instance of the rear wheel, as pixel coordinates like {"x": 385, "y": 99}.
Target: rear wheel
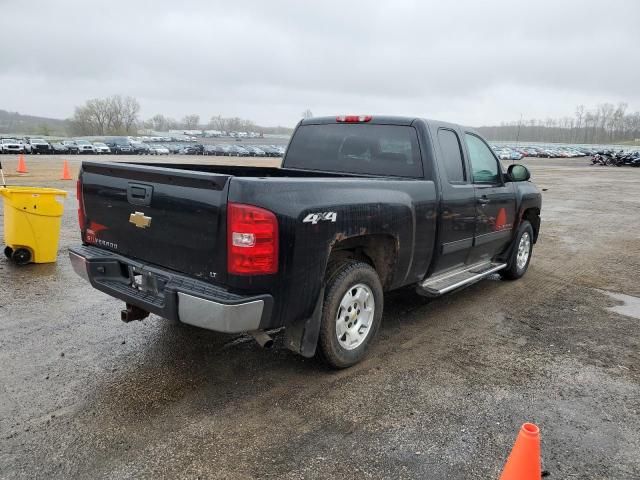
{"x": 8, "y": 251}
{"x": 351, "y": 313}
{"x": 521, "y": 254}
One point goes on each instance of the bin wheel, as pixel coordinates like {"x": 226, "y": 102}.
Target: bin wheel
{"x": 8, "y": 251}
{"x": 21, "y": 256}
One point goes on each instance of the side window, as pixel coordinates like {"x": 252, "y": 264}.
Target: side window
{"x": 484, "y": 165}
{"x": 452, "y": 155}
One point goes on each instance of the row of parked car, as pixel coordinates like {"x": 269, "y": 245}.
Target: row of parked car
{"x": 126, "y": 146}
{"x": 510, "y": 152}
{"x": 244, "y": 150}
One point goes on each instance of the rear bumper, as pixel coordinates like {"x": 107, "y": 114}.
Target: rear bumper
{"x": 170, "y": 294}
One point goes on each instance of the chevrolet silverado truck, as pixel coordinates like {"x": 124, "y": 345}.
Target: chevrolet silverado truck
{"x": 361, "y": 205}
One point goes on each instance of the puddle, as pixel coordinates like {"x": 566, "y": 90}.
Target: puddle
{"x": 630, "y": 305}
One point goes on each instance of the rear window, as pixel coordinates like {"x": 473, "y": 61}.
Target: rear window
{"x": 356, "y": 148}
{"x": 452, "y": 155}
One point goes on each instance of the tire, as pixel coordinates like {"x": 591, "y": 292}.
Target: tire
{"x": 8, "y": 251}
{"x": 21, "y": 256}
{"x": 520, "y": 258}
{"x": 356, "y": 284}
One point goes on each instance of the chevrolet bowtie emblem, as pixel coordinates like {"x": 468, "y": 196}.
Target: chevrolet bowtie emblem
{"x": 140, "y": 220}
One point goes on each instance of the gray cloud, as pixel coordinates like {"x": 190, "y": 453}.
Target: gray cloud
{"x": 466, "y": 61}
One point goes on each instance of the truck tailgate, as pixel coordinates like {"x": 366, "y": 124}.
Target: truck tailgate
{"x": 163, "y": 216}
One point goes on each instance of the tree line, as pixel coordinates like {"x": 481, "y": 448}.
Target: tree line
{"x": 118, "y": 115}
{"x": 161, "y": 123}
{"x": 607, "y": 123}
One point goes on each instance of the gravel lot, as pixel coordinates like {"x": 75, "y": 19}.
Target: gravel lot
{"x": 442, "y": 394}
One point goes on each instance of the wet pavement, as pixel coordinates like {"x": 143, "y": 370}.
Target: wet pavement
{"x": 441, "y": 395}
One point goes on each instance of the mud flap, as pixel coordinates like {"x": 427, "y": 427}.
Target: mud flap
{"x": 302, "y": 335}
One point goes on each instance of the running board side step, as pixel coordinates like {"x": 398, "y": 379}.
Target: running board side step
{"x": 446, "y": 282}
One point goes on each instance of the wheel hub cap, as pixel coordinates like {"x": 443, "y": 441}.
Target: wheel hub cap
{"x": 355, "y": 316}
{"x": 524, "y": 249}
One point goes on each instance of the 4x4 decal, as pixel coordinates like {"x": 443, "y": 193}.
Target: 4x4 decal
{"x": 320, "y": 217}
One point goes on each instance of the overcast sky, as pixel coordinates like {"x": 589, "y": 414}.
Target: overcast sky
{"x": 472, "y": 62}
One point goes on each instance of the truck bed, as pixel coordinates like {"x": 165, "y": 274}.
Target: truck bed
{"x": 246, "y": 171}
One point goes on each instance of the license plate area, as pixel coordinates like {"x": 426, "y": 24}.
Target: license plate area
{"x": 147, "y": 282}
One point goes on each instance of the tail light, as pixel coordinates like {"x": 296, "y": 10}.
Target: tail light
{"x": 252, "y": 240}
{"x": 81, "y": 218}
{"x": 353, "y": 118}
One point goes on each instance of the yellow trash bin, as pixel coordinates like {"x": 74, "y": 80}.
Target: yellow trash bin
{"x": 32, "y": 218}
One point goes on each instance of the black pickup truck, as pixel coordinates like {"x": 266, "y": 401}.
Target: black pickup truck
{"x": 361, "y": 205}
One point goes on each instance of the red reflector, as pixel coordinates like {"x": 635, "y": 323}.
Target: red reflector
{"x": 353, "y": 118}
{"x": 252, "y": 240}
{"x": 81, "y": 219}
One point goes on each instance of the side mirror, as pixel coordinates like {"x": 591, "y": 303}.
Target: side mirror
{"x": 518, "y": 173}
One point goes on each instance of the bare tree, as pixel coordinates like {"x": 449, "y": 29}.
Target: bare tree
{"x": 191, "y": 122}
{"x": 130, "y": 111}
{"x": 307, "y": 113}
{"x": 218, "y": 123}
{"x": 106, "y": 116}
{"x": 158, "y": 122}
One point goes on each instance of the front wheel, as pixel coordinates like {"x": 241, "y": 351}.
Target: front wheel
{"x": 351, "y": 313}
{"x": 521, "y": 253}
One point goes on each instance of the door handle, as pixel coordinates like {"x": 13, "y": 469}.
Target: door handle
{"x": 138, "y": 194}
{"x": 483, "y": 200}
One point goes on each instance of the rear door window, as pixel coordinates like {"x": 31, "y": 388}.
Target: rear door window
{"x": 356, "y": 148}
{"x": 452, "y": 155}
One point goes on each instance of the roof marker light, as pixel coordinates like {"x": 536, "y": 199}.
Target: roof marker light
{"x": 353, "y": 118}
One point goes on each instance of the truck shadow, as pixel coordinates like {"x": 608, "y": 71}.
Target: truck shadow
{"x": 207, "y": 371}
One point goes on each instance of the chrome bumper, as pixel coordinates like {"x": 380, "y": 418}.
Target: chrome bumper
{"x": 184, "y": 299}
{"x": 199, "y": 312}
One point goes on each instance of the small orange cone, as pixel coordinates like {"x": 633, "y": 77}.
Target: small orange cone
{"x": 524, "y": 460}
{"x": 22, "y": 166}
{"x": 65, "y": 171}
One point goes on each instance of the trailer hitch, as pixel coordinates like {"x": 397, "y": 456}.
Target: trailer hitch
{"x": 133, "y": 313}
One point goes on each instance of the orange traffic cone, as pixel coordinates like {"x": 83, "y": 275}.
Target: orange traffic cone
{"x": 65, "y": 171}
{"x": 524, "y": 460}
{"x": 22, "y": 166}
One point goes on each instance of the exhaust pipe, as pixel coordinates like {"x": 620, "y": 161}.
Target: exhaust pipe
{"x": 263, "y": 339}
{"x": 132, "y": 313}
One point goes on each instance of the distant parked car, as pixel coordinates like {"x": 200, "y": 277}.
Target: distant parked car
{"x": 223, "y": 150}
{"x": 26, "y": 146}
{"x": 255, "y": 151}
{"x": 84, "y": 146}
{"x": 101, "y": 147}
{"x": 158, "y": 150}
{"x": 11, "y": 145}
{"x": 119, "y": 145}
{"x": 504, "y": 154}
{"x": 140, "y": 148}
{"x": 39, "y": 146}
{"x": 71, "y": 146}
{"x": 269, "y": 150}
{"x": 209, "y": 150}
{"x": 238, "y": 151}
{"x": 534, "y": 151}
{"x": 196, "y": 149}
{"x": 553, "y": 153}
{"x": 173, "y": 147}
{"x": 59, "y": 148}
